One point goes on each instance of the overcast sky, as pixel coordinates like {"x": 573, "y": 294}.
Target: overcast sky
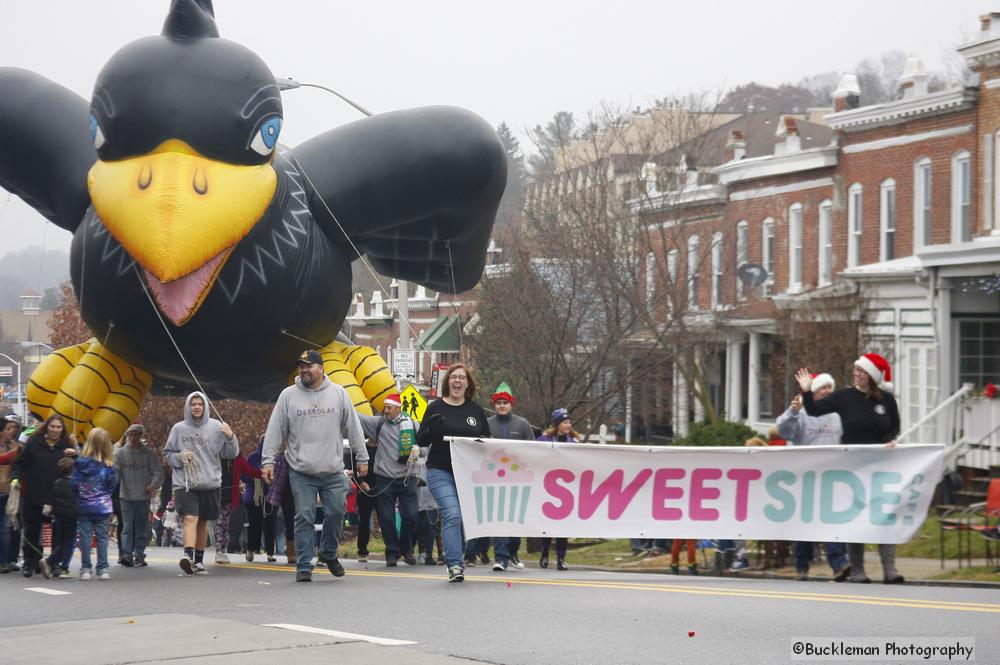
{"x": 515, "y": 61}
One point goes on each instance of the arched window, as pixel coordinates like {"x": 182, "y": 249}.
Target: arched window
{"x": 692, "y": 268}
{"x": 854, "y": 224}
{"x": 825, "y": 243}
{"x": 961, "y": 196}
{"x": 795, "y": 247}
{"x": 921, "y": 202}
{"x": 767, "y": 254}
{"x": 717, "y": 270}
{"x": 887, "y": 220}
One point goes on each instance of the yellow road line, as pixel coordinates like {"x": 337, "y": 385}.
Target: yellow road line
{"x": 854, "y": 599}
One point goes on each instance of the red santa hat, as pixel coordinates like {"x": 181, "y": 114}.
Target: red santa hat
{"x": 392, "y": 400}
{"x": 820, "y": 380}
{"x": 877, "y": 368}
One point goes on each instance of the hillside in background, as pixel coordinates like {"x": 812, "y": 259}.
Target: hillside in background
{"x": 31, "y": 268}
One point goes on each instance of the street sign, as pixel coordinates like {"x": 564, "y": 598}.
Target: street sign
{"x": 437, "y": 378}
{"x": 404, "y": 362}
{"x": 6, "y": 370}
{"x": 413, "y": 403}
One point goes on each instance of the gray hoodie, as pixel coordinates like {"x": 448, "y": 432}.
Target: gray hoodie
{"x": 314, "y": 422}
{"x": 206, "y": 441}
{"x": 801, "y": 429}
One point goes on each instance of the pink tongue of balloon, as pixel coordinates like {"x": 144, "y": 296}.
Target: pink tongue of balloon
{"x": 177, "y": 299}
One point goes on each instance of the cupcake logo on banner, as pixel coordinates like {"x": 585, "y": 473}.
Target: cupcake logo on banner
{"x": 502, "y": 486}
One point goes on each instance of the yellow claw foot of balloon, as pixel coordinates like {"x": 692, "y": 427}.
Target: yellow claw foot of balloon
{"x": 89, "y": 387}
{"x": 361, "y": 371}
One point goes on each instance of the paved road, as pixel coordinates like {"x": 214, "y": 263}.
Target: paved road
{"x": 530, "y": 616}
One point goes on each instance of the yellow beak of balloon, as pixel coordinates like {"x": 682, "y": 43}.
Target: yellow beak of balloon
{"x": 179, "y": 215}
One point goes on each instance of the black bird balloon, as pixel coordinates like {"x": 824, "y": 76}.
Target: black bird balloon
{"x": 198, "y": 236}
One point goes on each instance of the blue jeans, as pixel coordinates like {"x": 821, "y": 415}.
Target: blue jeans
{"x": 835, "y": 555}
{"x": 388, "y": 490}
{"x": 332, "y": 491}
{"x": 135, "y": 528}
{"x": 4, "y": 530}
{"x": 442, "y": 487}
{"x": 87, "y": 526}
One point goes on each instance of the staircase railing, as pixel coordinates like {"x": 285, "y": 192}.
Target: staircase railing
{"x": 942, "y": 424}
{"x": 979, "y": 454}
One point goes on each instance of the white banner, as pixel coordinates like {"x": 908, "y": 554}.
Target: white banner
{"x": 866, "y": 494}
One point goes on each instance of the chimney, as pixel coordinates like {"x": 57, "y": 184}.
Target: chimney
{"x": 989, "y": 25}
{"x": 393, "y": 289}
{"x": 913, "y": 82}
{"x": 421, "y": 291}
{"x": 736, "y": 146}
{"x": 786, "y": 136}
{"x": 376, "y": 303}
{"x": 847, "y": 95}
{"x": 359, "y": 306}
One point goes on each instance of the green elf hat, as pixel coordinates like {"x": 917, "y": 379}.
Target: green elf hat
{"x": 503, "y": 391}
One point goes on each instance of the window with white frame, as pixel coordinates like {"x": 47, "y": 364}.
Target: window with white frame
{"x": 767, "y": 254}
{"x": 825, "y": 242}
{"x": 672, "y": 276}
{"x": 650, "y": 277}
{"x": 922, "y": 202}
{"x": 742, "y": 240}
{"x": 717, "y": 270}
{"x": 795, "y": 247}
{"x": 887, "y": 219}
{"x": 854, "y": 224}
{"x": 692, "y": 268}
{"x": 961, "y": 196}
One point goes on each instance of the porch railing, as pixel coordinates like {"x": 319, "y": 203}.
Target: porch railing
{"x": 945, "y": 423}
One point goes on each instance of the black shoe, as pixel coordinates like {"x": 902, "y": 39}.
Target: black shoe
{"x": 303, "y": 576}
{"x": 499, "y": 566}
{"x": 430, "y": 562}
{"x": 141, "y": 562}
{"x": 409, "y": 559}
{"x": 894, "y": 579}
{"x": 27, "y": 571}
{"x": 484, "y": 558}
{"x": 561, "y": 564}
{"x": 391, "y": 561}
{"x": 335, "y": 567}
{"x": 127, "y": 561}
{"x": 544, "y": 561}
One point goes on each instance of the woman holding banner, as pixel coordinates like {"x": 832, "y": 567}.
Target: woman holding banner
{"x": 562, "y": 431}
{"x": 869, "y": 415}
{"x": 454, "y": 414}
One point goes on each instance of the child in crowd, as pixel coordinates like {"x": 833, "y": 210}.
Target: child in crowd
{"x": 94, "y": 479}
{"x": 64, "y": 502}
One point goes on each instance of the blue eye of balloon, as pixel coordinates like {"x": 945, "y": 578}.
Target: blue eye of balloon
{"x": 266, "y": 136}
{"x": 96, "y": 135}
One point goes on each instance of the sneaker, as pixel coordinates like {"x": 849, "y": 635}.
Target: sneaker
{"x": 391, "y": 562}
{"x": 303, "y": 576}
{"x": 470, "y": 563}
{"x": 65, "y": 574}
{"x": 335, "y": 567}
{"x": 271, "y": 558}
{"x": 126, "y": 561}
{"x": 516, "y": 562}
{"x": 409, "y": 559}
{"x": 139, "y": 563}
{"x": 842, "y": 572}
{"x": 104, "y": 576}
{"x": 895, "y": 578}
{"x": 499, "y": 566}
{"x": 249, "y": 557}
{"x": 362, "y": 557}
{"x": 429, "y": 561}
{"x": 456, "y": 574}
{"x": 187, "y": 565}
{"x": 27, "y": 571}
{"x": 675, "y": 569}
{"x": 199, "y": 569}
{"x": 859, "y": 579}
{"x": 85, "y": 575}
{"x": 693, "y": 569}
{"x": 801, "y": 575}
{"x": 221, "y": 557}
{"x": 46, "y": 569}
{"x": 739, "y": 565}
{"x": 561, "y": 564}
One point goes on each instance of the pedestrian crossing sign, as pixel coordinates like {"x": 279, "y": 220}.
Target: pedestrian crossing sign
{"x": 413, "y": 403}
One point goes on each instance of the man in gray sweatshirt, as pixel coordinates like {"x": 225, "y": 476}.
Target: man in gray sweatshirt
{"x": 140, "y": 477}
{"x": 194, "y": 448}
{"x": 312, "y": 417}
{"x": 394, "y": 478}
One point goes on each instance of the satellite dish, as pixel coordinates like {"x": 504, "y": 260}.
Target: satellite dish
{"x": 752, "y": 274}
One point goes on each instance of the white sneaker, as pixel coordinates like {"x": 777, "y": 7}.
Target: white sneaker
{"x": 221, "y": 557}
{"x": 199, "y": 569}
{"x": 104, "y": 576}
{"x": 85, "y": 575}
